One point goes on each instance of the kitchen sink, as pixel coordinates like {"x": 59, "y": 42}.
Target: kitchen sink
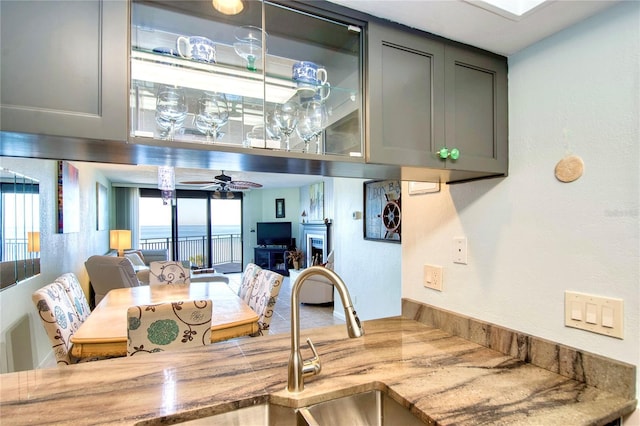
{"x": 366, "y": 408}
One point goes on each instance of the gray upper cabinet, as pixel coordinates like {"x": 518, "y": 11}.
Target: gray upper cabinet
{"x": 64, "y": 68}
{"x": 476, "y": 110}
{"x": 428, "y": 96}
{"x": 406, "y": 121}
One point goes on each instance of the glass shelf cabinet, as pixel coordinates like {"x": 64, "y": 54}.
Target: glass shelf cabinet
{"x": 244, "y": 94}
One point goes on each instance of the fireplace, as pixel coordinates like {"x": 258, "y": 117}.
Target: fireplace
{"x": 317, "y": 242}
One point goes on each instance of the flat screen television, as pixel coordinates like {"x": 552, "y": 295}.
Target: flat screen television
{"x": 273, "y": 233}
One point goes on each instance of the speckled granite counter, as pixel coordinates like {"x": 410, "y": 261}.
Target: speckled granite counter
{"x": 445, "y": 379}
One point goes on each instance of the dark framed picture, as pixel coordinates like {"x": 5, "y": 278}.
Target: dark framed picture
{"x": 68, "y": 198}
{"x": 382, "y": 210}
{"x": 279, "y": 208}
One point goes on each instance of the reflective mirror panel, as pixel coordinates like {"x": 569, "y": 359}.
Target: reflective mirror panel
{"x": 19, "y": 229}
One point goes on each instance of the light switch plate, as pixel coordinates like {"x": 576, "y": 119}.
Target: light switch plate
{"x": 602, "y": 315}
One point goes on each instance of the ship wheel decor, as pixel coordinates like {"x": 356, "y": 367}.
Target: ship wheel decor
{"x": 382, "y": 210}
{"x": 223, "y": 186}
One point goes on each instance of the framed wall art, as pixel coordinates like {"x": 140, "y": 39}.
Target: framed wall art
{"x": 102, "y": 222}
{"x": 68, "y": 198}
{"x": 280, "y": 208}
{"x": 382, "y": 210}
{"x": 316, "y": 202}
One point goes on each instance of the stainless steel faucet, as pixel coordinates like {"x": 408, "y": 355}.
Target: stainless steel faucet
{"x": 299, "y": 369}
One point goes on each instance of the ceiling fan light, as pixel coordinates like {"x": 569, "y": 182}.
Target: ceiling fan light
{"x": 228, "y": 7}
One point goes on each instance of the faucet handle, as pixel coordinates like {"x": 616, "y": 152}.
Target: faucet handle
{"x": 311, "y": 367}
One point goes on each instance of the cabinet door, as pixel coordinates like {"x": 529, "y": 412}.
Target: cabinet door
{"x": 476, "y": 110}
{"x": 406, "y": 91}
{"x": 64, "y": 68}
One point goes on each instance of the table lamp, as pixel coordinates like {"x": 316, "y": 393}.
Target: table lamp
{"x": 120, "y": 239}
{"x": 33, "y": 242}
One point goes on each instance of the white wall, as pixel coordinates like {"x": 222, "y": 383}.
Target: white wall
{"x": 530, "y": 236}
{"x": 23, "y": 342}
{"x": 371, "y": 269}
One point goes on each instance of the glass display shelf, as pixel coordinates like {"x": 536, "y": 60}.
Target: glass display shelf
{"x": 248, "y": 98}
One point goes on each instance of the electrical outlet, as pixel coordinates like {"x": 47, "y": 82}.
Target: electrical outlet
{"x": 459, "y": 252}
{"x": 433, "y": 277}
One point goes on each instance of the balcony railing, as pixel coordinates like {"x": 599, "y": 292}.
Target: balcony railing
{"x": 226, "y": 248}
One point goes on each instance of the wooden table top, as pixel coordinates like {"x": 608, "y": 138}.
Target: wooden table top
{"x": 107, "y": 323}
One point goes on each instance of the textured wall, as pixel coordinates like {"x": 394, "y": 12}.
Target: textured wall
{"x": 24, "y": 343}
{"x": 530, "y": 236}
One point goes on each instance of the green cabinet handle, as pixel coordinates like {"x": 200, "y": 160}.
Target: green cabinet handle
{"x": 454, "y": 154}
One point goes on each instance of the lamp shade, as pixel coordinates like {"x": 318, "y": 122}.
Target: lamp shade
{"x": 33, "y": 242}
{"x": 119, "y": 239}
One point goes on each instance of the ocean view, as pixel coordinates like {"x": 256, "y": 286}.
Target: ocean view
{"x": 154, "y": 232}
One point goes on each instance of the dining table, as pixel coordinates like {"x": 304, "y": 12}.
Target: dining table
{"x": 104, "y": 332}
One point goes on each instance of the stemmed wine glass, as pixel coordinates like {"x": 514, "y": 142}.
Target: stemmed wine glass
{"x": 171, "y": 110}
{"x": 213, "y": 113}
{"x": 313, "y": 120}
{"x": 286, "y": 118}
{"x": 272, "y": 128}
{"x": 248, "y": 44}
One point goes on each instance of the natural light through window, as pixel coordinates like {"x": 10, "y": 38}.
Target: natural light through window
{"x": 508, "y": 8}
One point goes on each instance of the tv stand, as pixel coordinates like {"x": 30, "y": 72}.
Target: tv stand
{"x": 272, "y": 258}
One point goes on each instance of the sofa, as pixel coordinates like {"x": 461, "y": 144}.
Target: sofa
{"x": 150, "y": 255}
{"x": 317, "y": 289}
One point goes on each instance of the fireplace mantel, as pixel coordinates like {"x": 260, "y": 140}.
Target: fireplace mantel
{"x": 314, "y": 232}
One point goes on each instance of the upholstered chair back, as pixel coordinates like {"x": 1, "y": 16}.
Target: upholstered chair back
{"x": 248, "y": 279}
{"x": 169, "y": 272}
{"x": 109, "y": 272}
{"x": 262, "y": 298}
{"x": 168, "y": 326}
{"x": 59, "y": 319}
{"x": 73, "y": 289}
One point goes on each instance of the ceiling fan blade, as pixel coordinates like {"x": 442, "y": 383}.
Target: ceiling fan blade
{"x": 245, "y": 183}
{"x": 198, "y": 182}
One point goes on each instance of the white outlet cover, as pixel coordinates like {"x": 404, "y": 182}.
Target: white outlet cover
{"x": 459, "y": 250}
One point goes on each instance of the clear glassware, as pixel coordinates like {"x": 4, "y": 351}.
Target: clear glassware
{"x": 213, "y": 113}
{"x": 272, "y": 128}
{"x": 312, "y": 121}
{"x": 286, "y": 117}
{"x": 248, "y": 44}
{"x": 171, "y": 110}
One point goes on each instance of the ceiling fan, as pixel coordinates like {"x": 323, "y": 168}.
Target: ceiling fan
{"x": 224, "y": 183}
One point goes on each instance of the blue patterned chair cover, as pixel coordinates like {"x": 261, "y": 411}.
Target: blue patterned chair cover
{"x": 262, "y": 298}
{"x": 72, "y": 286}
{"x": 248, "y": 280}
{"x": 168, "y": 326}
{"x": 59, "y": 319}
{"x": 169, "y": 272}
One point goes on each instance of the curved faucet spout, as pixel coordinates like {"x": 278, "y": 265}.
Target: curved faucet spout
{"x": 298, "y": 369}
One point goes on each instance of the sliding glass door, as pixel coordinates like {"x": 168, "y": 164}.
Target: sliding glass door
{"x": 196, "y": 227}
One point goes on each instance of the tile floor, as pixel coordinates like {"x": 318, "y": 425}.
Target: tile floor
{"x": 310, "y": 315}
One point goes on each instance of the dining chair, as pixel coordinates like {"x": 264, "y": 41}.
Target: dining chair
{"x": 169, "y": 272}
{"x": 168, "y": 326}
{"x": 59, "y": 319}
{"x": 73, "y": 289}
{"x": 262, "y": 298}
{"x": 248, "y": 280}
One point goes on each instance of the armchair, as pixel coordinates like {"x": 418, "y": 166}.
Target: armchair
{"x": 108, "y": 272}
{"x": 317, "y": 289}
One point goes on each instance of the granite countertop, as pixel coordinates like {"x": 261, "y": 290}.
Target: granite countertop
{"x": 443, "y": 378}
